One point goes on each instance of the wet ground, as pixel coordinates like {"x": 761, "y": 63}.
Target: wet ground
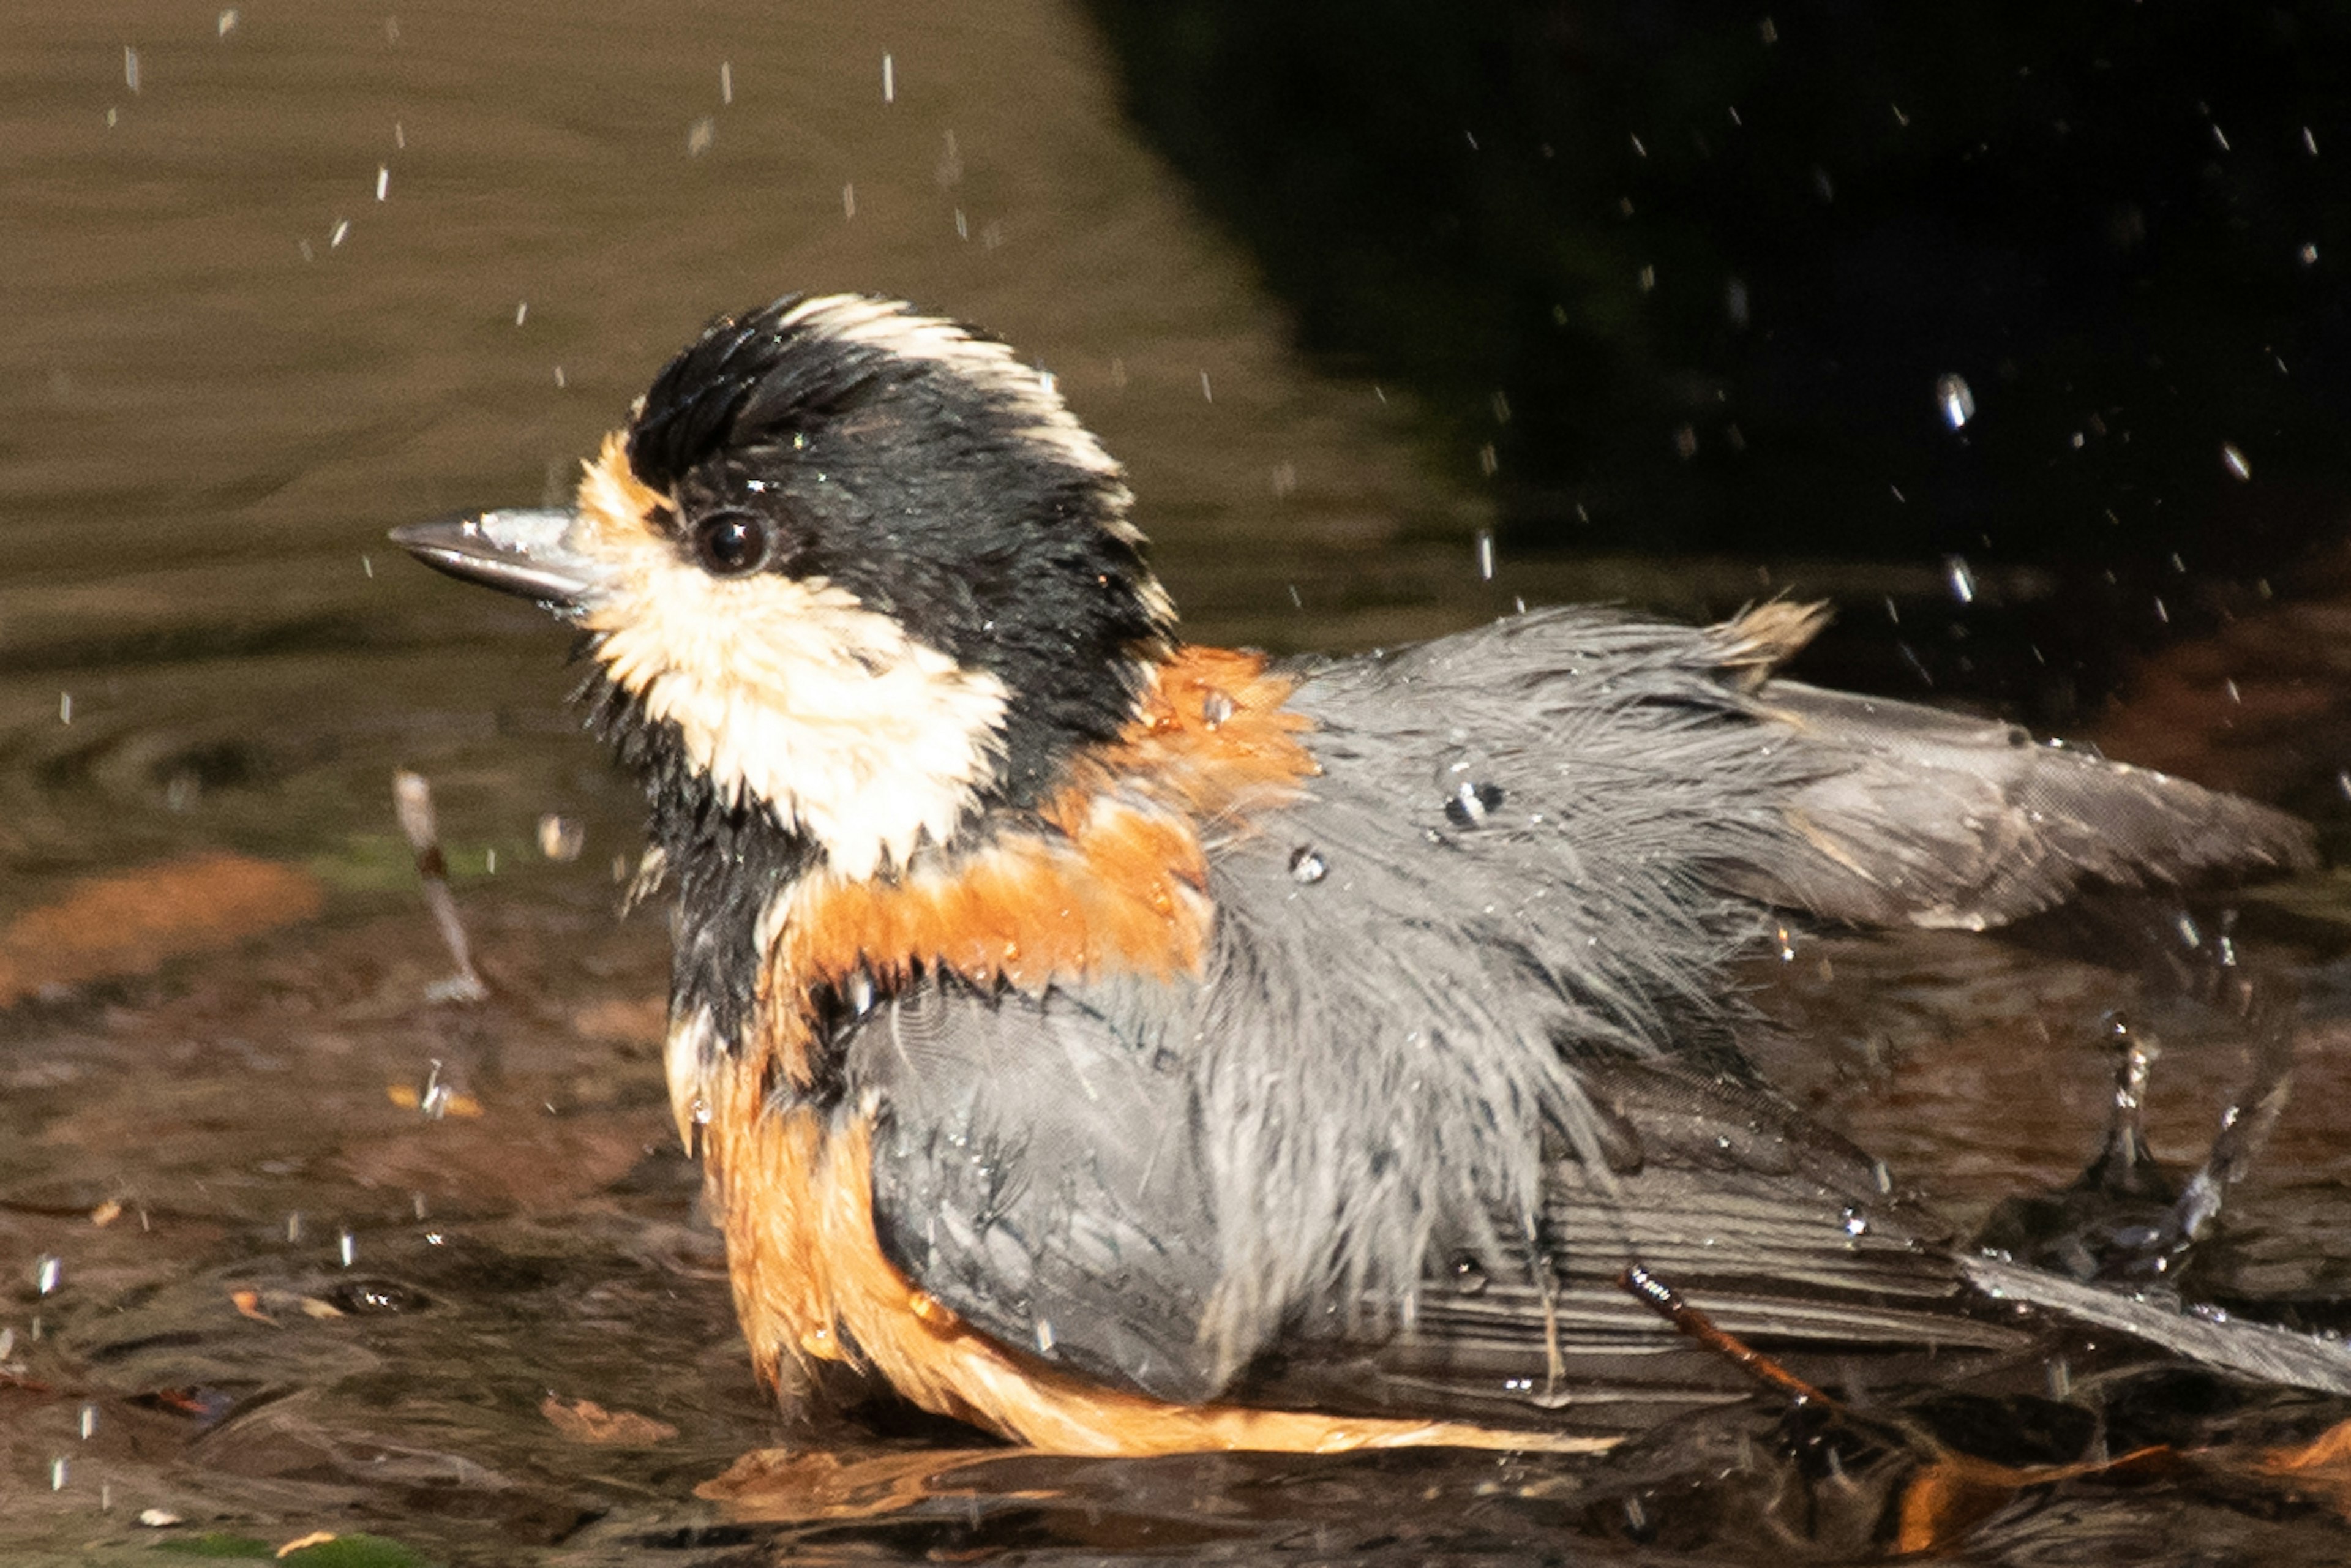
{"x": 280, "y": 281}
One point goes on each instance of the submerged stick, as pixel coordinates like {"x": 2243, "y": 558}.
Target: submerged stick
{"x": 1669, "y": 1303}
{"x": 411, "y": 798}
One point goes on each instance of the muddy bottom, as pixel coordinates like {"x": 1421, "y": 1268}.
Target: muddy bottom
{"x": 295, "y": 1249}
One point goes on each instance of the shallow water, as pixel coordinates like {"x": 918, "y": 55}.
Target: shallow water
{"x": 280, "y": 281}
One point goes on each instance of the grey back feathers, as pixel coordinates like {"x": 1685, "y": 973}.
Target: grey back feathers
{"x": 1532, "y": 853}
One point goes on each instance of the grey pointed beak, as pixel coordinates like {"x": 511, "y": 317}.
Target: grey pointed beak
{"x": 519, "y": 549}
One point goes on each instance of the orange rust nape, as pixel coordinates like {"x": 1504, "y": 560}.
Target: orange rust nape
{"x": 811, "y": 1284}
{"x": 1212, "y": 737}
{"x": 1116, "y": 884}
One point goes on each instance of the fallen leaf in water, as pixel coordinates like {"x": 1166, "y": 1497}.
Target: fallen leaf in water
{"x": 453, "y": 1103}
{"x": 248, "y": 1304}
{"x": 316, "y": 1538}
{"x": 106, "y": 1213}
{"x": 132, "y": 923}
{"x": 312, "y": 1307}
{"x": 640, "y": 1022}
{"x": 796, "y": 1485}
{"x": 585, "y": 1421}
{"x": 1949, "y": 1497}
{"x": 2319, "y": 1469}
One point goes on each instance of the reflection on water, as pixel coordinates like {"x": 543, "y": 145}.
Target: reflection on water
{"x": 316, "y": 272}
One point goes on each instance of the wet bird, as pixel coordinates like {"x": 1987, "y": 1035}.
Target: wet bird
{"x": 1129, "y": 1045}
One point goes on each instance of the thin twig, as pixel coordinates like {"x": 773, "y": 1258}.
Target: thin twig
{"x": 412, "y": 797}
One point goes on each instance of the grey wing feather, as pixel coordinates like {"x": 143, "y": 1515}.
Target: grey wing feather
{"x": 1775, "y": 1229}
{"x": 1038, "y": 1173}
{"x": 1929, "y": 817}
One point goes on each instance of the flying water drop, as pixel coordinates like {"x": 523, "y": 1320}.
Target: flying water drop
{"x": 1957, "y": 402}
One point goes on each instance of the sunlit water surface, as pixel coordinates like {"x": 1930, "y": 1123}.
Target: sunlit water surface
{"x": 279, "y": 281}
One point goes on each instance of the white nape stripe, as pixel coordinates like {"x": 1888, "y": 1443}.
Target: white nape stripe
{"x": 895, "y": 327}
{"x": 898, "y": 328}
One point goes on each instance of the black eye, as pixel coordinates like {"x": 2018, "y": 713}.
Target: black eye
{"x": 729, "y": 544}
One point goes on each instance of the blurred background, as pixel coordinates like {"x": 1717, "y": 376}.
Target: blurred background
{"x": 2023, "y": 338}
{"x": 2022, "y": 335}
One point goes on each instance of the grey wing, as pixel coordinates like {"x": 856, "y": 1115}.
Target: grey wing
{"x": 1036, "y": 1170}
{"x": 1776, "y": 1229}
{"x": 1921, "y": 817}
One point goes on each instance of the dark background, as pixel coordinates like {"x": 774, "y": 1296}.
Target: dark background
{"x": 1692, "y": 274}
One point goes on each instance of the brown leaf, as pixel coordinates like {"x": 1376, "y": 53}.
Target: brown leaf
{"x": 585, "y": 1421}
{"x": 132, "y": 923}
{"x": 2319, "y": 1469}
{"x": 1947, "y": 1499}
{"x": 640, "y": 1022}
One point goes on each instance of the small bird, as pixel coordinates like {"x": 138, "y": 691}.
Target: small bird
{"x": 1128, "y": 1046}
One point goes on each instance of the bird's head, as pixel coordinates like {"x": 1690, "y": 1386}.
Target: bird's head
{"x": 852, "y": 566}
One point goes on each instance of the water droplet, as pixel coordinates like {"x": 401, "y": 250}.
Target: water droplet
{"x": 347, "y": 1247}
{"x": 561, "y": 838}
{"x": 1044, "y": 1336}
{"x": 58, "y": 1473}
{"x": 1307, "y": 865}
{"x": 2234, "y": 460}
{"x": 1472, "y": 803}
{"x": 1856, "y": 1222}
{"x": 1955, "y": 399}
{"x": 1962, "y": 578}
{"x": 47, "y": 1272}
{"x": 1468, "y": 1276}
{"x": 1485, "y": 555}
{"x": 1215, "y": 707}
{"x": 89, "y": 1422}
{"x": 1880, "y": 1173}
